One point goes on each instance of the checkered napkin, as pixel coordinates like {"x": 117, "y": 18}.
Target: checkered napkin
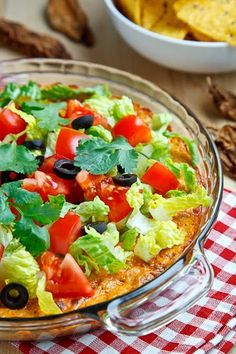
{"x": 208, "y": 327}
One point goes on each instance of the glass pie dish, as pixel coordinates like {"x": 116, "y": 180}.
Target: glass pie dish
{"x": 162, "y": 299}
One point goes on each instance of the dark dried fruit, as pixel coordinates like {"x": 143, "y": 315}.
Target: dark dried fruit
{"x": 67, "y": 16}
{"x": 224, "y": 100}
{"x": 18, "y": 37}
{"x": 225, "y": 139}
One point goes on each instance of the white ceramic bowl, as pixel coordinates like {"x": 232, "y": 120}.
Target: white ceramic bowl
{"x": 183, "y": 55}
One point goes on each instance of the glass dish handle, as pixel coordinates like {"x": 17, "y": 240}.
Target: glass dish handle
{"x": 154, "y": 308}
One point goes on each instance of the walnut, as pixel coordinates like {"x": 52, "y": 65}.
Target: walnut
{"x": 67, "y": 16}
{"x": 16, "y": 36}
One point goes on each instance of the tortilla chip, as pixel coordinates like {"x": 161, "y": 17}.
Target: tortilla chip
{"x": 131, "y": 9}
{"x": 168, "y": 24}
{"x": 200, "y": 36}
{"x": 213, "y": 18}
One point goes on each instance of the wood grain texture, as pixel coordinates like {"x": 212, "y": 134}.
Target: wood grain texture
{"x": 111, "y": 50}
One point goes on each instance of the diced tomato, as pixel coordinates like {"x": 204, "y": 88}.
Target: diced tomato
{"x": 73, "y": 106}
{"x": 63, "y": 232}
{"x": 11, "y": 123}
{"x": 65, "y": 279}
{"x": 133, "y": 129}
{"x": 115, "y": 198}
{"x": 1, "y": 250}
{"x": 67, "y": 142}
{"x": 48, "y": 163}
{"x": 103, "y": 186}
{"x": 161, "y": 178}
{"x": 50, "y": 184}
{"x": 92, "y": 184}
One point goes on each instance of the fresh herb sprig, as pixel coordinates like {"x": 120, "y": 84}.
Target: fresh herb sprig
{"x": 24, "y": 210}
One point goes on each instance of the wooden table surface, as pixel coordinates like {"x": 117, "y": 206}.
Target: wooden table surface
{"x": 111, "y": 50}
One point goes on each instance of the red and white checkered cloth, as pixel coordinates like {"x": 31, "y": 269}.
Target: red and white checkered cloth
{"x": 208, "y": 327}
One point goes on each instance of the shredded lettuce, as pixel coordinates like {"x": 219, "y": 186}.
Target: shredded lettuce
{"x": 164, "y": 234}
{"x": 101, "y": 249}
{"x": 163, "y": 209}
{"x": 122, "y": 107}
{"x": 128, "y": 239}
{"x": 95, "y": 210}
{"x": 45, "y": 298}
{"x": 161, "y": 121}
{"x": 134, "y": 196}
{"x": 5, "y": 235}
{"x": 99, "y": 131}
{"x": 51, "y": 143}
{"x": 112, "y": 109}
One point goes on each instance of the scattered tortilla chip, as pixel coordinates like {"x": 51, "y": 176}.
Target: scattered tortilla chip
{"x": 213, "y": 18}
{"x": 200, "y": 36}
{"x": 131, "y": 9}
{"x": 168, "y": 24}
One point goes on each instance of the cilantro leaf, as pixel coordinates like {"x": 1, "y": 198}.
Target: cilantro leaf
{"x": 6, "y": 215}
{"x": 31, "y": 204}
{"x": 47, "y": 115}
{"x": 36, "y": 239}
{"x": 63, "y": 92}
{"x": 17, "y": 158}
{"x": 98, "y": 156}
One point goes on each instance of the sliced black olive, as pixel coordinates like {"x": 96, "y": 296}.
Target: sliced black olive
{"x": 82, "y": 122}
{"x": 64, "y": 168}
{"x": 126, "y": 179}
{"x": 40, "y": 159}
{"x": 10, "y": 176}
{"x": 36, "y": 144}
{"x": 99, "y": 226}
{"x": 14, "y": 296}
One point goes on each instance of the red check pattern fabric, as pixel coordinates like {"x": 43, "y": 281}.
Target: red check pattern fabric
{"x": 208, "y": 327}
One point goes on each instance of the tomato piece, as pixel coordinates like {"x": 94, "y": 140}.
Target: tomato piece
{"x": 11, "y": 123}
{"x": 63, "y": 232}
{"x": 133, "y": 129}
{"x": 92, "y": 184}
{"x": 48, "y": 163}
{"x": 115, "y": 198}
{"x": 73, "y": 106}
{"x": 65, "y": 279}
{"x": 67, "y": 142}
{"x": 46, "y": 184}
{"x": 1, "y": 250}
{"x": 161, "y": 178}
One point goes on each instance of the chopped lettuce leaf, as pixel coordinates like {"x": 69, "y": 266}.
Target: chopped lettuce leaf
{"x": 45, "y": 298}
{"x": 112, "y": 109}
{"x": 5, "y": 235}
{"x": 101, "y": 249}
{"x": 163, "y": 209}
{"x": 18, "y": 265}
{"x": 139, "y": 221}
{"x": 189, "y": 177}
{"x": 161, "y": 121}
{"x": 134, "y": 196}
{"x": 95, "y": 210}
{"x": 128, "y": 239}
{"x": 164, "y": 234}
{"x": 99, "y": 131}
{"x": 122, "y": 107}
{"x": 161, "y": 147}
{"x": 51, "y": 143}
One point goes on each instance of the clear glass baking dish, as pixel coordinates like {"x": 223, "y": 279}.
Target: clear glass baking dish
{"x": 159, "y": 301}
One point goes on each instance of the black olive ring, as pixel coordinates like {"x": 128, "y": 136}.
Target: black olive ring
{"x": 125, "y": 180}
{"x": 99, "y": 226}
{"x": 14, "y": 296}
{"x": 64, "y": 168}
